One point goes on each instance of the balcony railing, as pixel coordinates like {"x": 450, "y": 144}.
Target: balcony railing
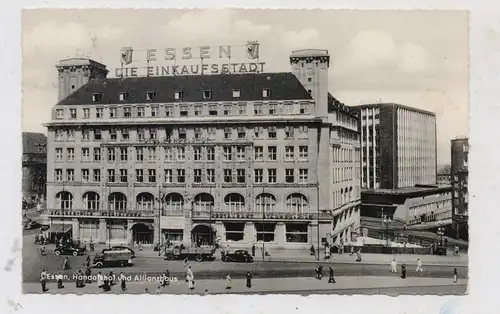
{"x": 101, "y": 213}
{"x": 431, "y": 218}
{"x": 258, "y": 215}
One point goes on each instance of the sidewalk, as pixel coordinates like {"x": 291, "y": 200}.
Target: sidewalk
{"x": 261, "y": 285}
{"x": 303, "y": 256}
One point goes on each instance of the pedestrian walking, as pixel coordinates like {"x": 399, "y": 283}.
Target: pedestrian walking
{"x": 59, "y": 278}
{"x": 189, "y": 272}
{"x": 403, "y": 271}
{"x": 79, "y": 279}
{"x": 267, "y": 252}
{"x": 331, "y": 278}
{"x": 228, "y": 282}
{"x": 123, "y": 282}
{"x": 455, "y": 275}
{"x": 111, "y": 278}
{"x": 190, "y": 281}
{"x": 42, "y": 250}
{"x": 320, "y": 270}
{"x": 327, "y": 252}
{"x": 88, "y": 275}
{"x": 253, "y": 250}
{"x": 358, "y": 259}
{"x": 140, "y": 247}
{"x": 394, "y": 266}
{"x": 43, "y": 280}
{"x": 249, "y": 279}
{"x": 352, "y": 251}
{"x": 100, "y": 280}
{"x": 66, "y": 265}
{"x": 185, "y": 262}
{"x": 87, "y": 261}
{"x": 419, "y": 265}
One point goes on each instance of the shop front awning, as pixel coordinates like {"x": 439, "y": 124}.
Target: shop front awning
{"x": 60, "y": 228}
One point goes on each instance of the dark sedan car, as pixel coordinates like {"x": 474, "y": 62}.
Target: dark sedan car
{"x": 69, "y": 250}
{"x": 30, "y": 225}
{"x": 241, "y": 256}
{"x": 121, "y": 248}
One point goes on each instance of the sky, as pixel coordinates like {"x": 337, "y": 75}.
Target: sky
{"x": 415, "y": 58}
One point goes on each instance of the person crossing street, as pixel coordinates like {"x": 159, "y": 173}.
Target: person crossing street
{"x": 394, "y": 266}
{"x": 419, "y": 266}
{"x": 331, "y": 278}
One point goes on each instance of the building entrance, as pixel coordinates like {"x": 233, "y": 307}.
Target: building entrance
{"x": 203, "y": 235}
{"x": 143, "y": 233}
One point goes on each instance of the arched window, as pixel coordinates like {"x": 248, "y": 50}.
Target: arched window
{"x": 203, "y": 202}
{"x": 117, "y": 201}
{"x": 64, "y": 200}
{"x": 265, "y": 202}
{"x": 91, "y": 201}
{"x": 174, "y": 202}
{"x": 235, "y": 203}
{"x": 297, "y": 203}
{"x": 145, "y": 202}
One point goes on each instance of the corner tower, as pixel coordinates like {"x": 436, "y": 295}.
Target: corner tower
{"x": 76, "y": 72}
{"x": 310, "y": 66}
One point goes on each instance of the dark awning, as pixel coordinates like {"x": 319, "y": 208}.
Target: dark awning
{"x": 60, "y": 228}
{"x": 147, "y": 224}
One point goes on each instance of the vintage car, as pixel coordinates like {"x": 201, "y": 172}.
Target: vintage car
{"x": 113, "y": 258}
{"x": 241, "y": 256}
{"x": 69, "y": 250}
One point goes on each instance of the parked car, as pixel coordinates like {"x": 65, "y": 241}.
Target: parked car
{"x": 237, "y": 256}
{"x": 69, "y": 250}
{"x": 120, "y": 248}
{"x": 30, "y": 225}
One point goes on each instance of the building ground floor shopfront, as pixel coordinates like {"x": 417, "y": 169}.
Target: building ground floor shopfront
{"x": 235, "y": 233}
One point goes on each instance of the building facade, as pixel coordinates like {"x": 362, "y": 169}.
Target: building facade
{"x": 237, "y": 157}
{"x": 34, "y": 165}
{"x": 421, "y": 207}
{"x": 398, "y": 146}
{"x": 459, "y": 182}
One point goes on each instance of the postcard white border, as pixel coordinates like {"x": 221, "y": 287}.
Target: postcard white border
{"x": 484, "y": 187}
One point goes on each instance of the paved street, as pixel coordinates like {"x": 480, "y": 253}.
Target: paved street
{"x": 300, "y": 285}
{"x": 33, "y": 263}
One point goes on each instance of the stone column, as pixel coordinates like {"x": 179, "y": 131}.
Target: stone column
{"x": 103, "y": 231}
{"x": 130, "y": 236}
{"x": 186, "y": 236}
{"x": 75, "y": 228}
{"x": 279, "y": 234}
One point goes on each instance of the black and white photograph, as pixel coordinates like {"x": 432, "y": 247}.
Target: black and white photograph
{"x": 245, "y": 151}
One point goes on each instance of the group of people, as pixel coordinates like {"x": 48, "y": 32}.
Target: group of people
{"x": 319, "y": 273}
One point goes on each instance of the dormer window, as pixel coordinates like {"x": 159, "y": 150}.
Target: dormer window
{"x": 60, "y": 113}
{"x": 236, "y": 93}
{"x": 266, "y": 93}
{"x": 123, "y": 96}
{"x": 207, "y": 94}
{"x": 96, "y": 97}
{"x": 150, "y": 95}
{"x": 178, "y": 95}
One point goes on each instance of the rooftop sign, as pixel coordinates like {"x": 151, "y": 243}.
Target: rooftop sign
{"x": 250, "y": 53}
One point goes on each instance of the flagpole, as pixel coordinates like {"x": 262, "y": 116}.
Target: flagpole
{"x": 201, "y": 58}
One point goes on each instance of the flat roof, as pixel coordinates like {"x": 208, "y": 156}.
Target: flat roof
{"x": 394, "y": 105}
{"x": 409, "y": 190}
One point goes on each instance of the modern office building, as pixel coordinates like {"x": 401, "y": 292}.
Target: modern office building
{"x": 34, "y": 165}
{"x": 243, "y": 158}
{"x": 398, "y": 146}
{"x": 459, "y": 182}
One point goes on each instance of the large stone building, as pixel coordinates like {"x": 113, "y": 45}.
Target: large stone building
{"x": 398, "y": 146}
{"x": 459, "y": 182}
{"x": 243, "y": 157}
{"x": 34, "y": 165}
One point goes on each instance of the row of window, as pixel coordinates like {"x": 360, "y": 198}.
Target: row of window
{"x": 142, "y": 134}
{"x": 345, "y": 174}
{"x": 174, "y": 202}
{"x": 179, "y": 175}
{"x": 230, "y": 153}
{"x": 345, "y": 155}
{"x": 156, "y": 111}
